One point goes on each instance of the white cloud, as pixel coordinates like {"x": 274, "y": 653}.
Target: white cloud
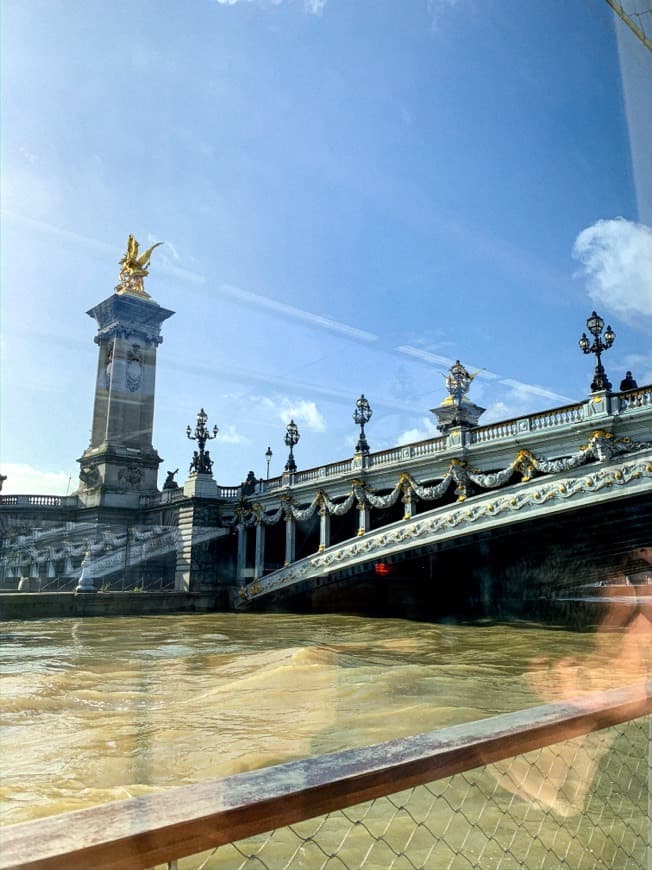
{"x": 315, "y": 7}
{"x": 641, "y": 367}
{"x": 24, "y": 479}
{"x": 230, "y": 435}
{"x": 303, "y": 413}
{"x": 436, "y": 9}
{"x": 428, "y": 429}
{"x": 617, "y": 259}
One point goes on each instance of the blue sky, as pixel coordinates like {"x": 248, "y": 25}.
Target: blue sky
{"x": 351, "y": 192}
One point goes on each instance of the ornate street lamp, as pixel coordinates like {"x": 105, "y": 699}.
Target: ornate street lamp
{"x": 362, "y": 415}
{"x": 201, "y": 461}
{"x": 595, "y": 324}
{"x": 291, "y": 440}
{"x": 268, "y": 459}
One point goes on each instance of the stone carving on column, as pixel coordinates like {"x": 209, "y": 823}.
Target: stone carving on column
{"x": 134, "y": 369}
{"x": 130, "y": 476}
{"x": 89, "y": 475}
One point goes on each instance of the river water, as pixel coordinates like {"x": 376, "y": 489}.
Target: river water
{"x": 102, "y": 709}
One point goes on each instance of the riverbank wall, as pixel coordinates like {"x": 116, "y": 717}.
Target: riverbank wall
{"x": 42, "y": 605}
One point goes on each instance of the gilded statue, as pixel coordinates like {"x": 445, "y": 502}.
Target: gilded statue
{"x": 135, "y": 267}
{"x": 458, "y": 381}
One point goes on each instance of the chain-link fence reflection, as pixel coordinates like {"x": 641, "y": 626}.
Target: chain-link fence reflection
{"x": 637, "y": 15}
{"x": 533, "y": 811}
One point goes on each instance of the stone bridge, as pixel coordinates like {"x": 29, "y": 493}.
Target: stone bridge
{"x": 619, "y": 478}
{"x": 579, "y": 472}
{"x": 318, "y": 526}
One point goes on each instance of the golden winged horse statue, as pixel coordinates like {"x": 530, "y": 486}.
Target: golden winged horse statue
{"x": 135, "y": 267}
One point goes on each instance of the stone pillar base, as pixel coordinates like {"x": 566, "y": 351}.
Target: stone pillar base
{"x": 200, "y": 486}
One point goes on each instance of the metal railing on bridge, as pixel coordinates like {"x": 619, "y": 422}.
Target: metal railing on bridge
{"x": 562, "y": 786}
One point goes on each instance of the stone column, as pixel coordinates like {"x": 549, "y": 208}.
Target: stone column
{"x": 242, "y": 552}
{"x": 324, "y": 528}
{"x": 259, "y": 567}
{"x": 120, "y": 464}
{"x": 363, "y": 521}
{"x": 183, "y": 569}
{"x": 290, "y": 539}
{"x": 197, "y": 531}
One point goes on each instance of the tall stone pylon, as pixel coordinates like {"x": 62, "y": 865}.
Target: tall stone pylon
{"x": 120, "y": 463}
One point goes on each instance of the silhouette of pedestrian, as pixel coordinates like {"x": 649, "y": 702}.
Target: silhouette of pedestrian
{"x": 628, "y": 382}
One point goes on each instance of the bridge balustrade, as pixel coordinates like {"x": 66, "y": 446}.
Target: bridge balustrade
{"x": 562, "y": 786}
{"x": 633, "y": 399}
{"x": 31, "y": 501}
{"x": 557, "y": 417}
{"x": 484, "y": 434}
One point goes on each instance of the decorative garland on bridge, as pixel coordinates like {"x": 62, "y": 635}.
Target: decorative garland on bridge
{"x": 601, "y": 447}
{"x": 422, "y": 529}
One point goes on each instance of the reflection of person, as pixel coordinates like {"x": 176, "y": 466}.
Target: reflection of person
{"x": 562, "y": 774}
{"x": 628, "y": 382}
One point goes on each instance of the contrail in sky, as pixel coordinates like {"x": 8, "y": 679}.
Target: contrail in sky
{"x": 282, "y": 309}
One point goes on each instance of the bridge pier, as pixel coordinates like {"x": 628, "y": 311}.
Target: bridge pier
{"x": 241, "y": 562}
{"x": 290, "y": 539}
{"x": 364, "y": 518}
{"x": 324, "y": 528}
{"x": 259, "y": 563}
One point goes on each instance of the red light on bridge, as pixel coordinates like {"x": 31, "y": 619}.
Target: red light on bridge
{"x": 382, "y": 569}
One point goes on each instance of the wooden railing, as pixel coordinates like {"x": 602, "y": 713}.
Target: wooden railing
{"x": 145, "y": 831}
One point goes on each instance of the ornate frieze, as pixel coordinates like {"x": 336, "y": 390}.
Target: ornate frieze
{"x": 130, "y": 476}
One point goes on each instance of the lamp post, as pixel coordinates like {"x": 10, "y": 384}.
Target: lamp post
{"x": 201, "y": 461}
{"x": 291, "y": 440}
{"x": 362, "y": 415}
{"x": 595, "y": 324}
{"x": 268, "y": 459}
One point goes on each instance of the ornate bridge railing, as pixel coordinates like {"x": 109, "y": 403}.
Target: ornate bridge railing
{"x": 561, "y": 786}
{"x": 569, "y": 485}
{"x": 538, "y": 424}
{"x": 635, "y": 398}
{"x": 40, "y": 501}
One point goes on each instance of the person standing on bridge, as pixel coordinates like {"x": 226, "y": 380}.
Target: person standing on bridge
{"x": 628, "y": 382}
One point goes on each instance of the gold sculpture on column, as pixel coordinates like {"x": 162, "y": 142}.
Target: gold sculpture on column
{"x": 134, "y": 269}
